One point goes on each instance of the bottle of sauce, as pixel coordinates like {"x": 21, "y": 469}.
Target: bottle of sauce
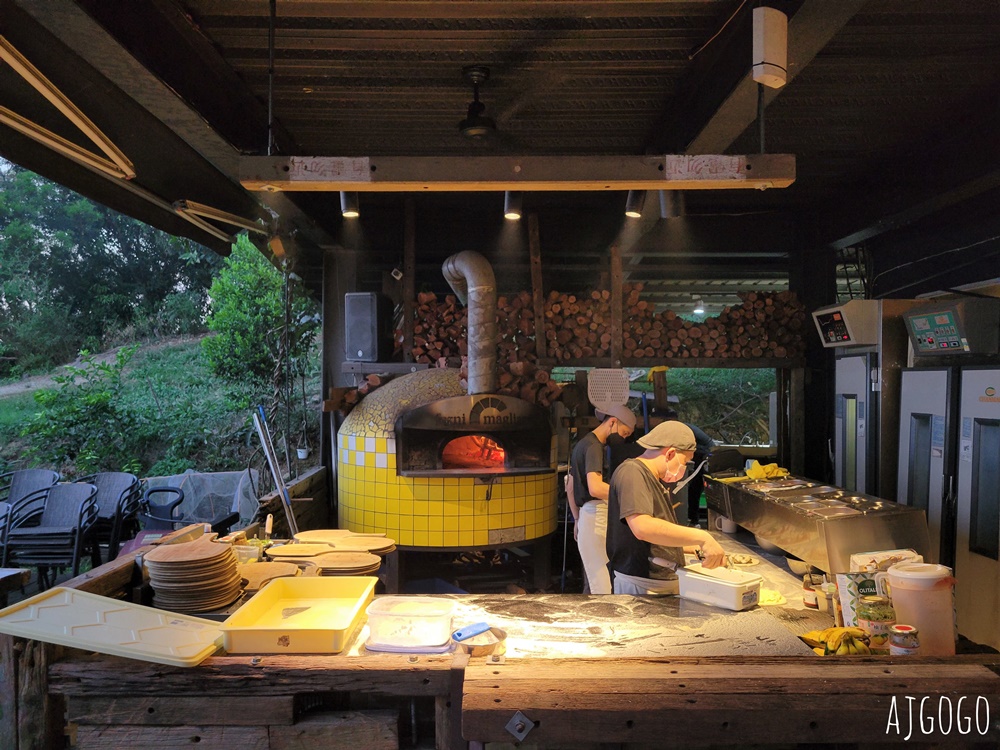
{"x": 904, "y": 640}
{"x": 810, "y": 583}
{"x": 875, "y": 617}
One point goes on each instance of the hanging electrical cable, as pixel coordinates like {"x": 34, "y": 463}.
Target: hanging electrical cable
{"x": 273, "y": 12}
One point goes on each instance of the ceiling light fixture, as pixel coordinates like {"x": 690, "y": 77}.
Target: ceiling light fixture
{"x": 634, "y": 203}
{"x": 512, "y": 205}
{"x": 699, "y": 306}
{"x": 349, "y": 204}
{"x": 770, "y": 47}
{"x": 476, "y": 125}
{"x": 672, "y": 204}
{"x": 277, "y": 245}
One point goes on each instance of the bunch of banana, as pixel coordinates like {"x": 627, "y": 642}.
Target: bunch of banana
{"x": 837, "y": 640}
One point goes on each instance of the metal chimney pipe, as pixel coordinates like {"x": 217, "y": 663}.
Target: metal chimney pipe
{"x": 471, "y": 277}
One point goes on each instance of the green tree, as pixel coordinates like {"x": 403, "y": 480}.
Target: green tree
{"x": 72, "y": 271}
{"x": 247, "y": 313}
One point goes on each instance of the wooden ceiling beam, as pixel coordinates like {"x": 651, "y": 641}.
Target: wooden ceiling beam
{"x": 948, "y": 168}
{"x": 456, "y": 9}
{"x": 702, "y": 272}
{"x": 717, "y": 100}
{"x": 92, "y": 43}
{"x": 488, "y": 173}
{"x": 165, "y": 41}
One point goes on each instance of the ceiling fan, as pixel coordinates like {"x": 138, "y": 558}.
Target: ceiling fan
{"x": 476, "y": 125}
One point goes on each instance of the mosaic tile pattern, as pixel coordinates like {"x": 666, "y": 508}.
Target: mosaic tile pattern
{"x": 430, "y": 511}
{"x": 376, "y": 414}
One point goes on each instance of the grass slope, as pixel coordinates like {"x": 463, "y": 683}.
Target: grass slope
{"x": 191, "y": 418}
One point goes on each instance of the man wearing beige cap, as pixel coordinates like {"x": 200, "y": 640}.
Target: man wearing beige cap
{"x": 587, "y": 493}
{"x": 645, "y": 543}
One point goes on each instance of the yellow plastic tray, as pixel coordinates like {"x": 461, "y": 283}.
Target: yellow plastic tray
{"x": 98, "y": 623}
{"x": 299, "y": 616}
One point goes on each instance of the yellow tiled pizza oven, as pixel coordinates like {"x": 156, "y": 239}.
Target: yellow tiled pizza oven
{"x": 423, "y": 487}
{"x": 434, "y": 466}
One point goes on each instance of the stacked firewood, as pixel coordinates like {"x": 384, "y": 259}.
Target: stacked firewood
{"x": 578, "y": 327}
{"x": 766, "y": 324}
{"x": 440, "y": 339}
{"x": 438, "y": 330}
{"x": 345, "y": 399}
{"x": 517, "y": 355}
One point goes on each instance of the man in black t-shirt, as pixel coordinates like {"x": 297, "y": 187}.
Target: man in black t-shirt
{"x": 588, "y": 493}
{"x": 645, "y": 542}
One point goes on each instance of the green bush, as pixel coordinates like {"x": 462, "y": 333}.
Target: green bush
{"x": 84, "y": 421}
{"x": 247, "y": 311}
{"x": 46, "y": 337}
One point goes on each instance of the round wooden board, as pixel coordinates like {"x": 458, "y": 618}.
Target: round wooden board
{"x": 189, "y": 571}
{"x": 297, "y": 550}
{"x": 326, "y": 572}
{"x": 201, "y": 549}
{"x": 364, "y": 544}
{"x": 196, "y": 587}
{"x": 188, "y": 606}
{"x": 342, "y": 561}
{"x": 259, "y": 573}
{"x": 329, "y": 536}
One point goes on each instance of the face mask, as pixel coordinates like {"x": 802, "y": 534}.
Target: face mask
{"x": 676, "y": 475}
{"x": 687, "y": 475}
{"x": 615, "y": 439}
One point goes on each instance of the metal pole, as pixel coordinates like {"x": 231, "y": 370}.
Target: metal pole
{"x": 760, "y": 115}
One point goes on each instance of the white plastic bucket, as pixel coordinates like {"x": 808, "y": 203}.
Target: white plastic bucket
{"x": 923, "y": 595}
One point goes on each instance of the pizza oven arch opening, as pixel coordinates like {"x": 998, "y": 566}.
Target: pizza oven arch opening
{"x": 484, "y": 435}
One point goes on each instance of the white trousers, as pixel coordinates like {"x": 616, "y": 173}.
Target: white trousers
{"x": 592, "y": 541}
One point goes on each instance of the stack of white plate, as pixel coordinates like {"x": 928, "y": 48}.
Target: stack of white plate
{"x": 198, "y": 576}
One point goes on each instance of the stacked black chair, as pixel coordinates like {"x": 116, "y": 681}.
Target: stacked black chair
{"x": 119, "y": 497}
{"x": 22, "y": 484}
{"x": 4, "y": 528}
{"x": 21, "y": 490}
{"x": 52, "y": 532}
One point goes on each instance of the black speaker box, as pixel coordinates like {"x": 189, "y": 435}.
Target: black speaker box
{"x": 367, "y": 327}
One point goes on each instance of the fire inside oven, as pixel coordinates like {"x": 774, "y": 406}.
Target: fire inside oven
{"x": 482, "y": 434}
{"x": 473, "y": 452}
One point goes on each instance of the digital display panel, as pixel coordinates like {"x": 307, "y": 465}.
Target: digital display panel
{"x": 833, "y": 328}
{"x": 937, "y": 332}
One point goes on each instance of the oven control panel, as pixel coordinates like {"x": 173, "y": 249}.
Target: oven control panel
{"x": 938, "y": 332}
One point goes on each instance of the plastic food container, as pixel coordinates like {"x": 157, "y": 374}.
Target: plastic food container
{"x": 410, "y": 621}
{"x": 720, "y": 587}
{"x": 314, "y": 615}
{"x": 91, "y": 622}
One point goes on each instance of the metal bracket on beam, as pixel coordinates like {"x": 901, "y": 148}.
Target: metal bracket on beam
{"x": 519, "y": 725}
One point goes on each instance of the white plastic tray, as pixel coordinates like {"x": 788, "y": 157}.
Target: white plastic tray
{"x": 720, "y": 587}
{"x": 98, "y": 623}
